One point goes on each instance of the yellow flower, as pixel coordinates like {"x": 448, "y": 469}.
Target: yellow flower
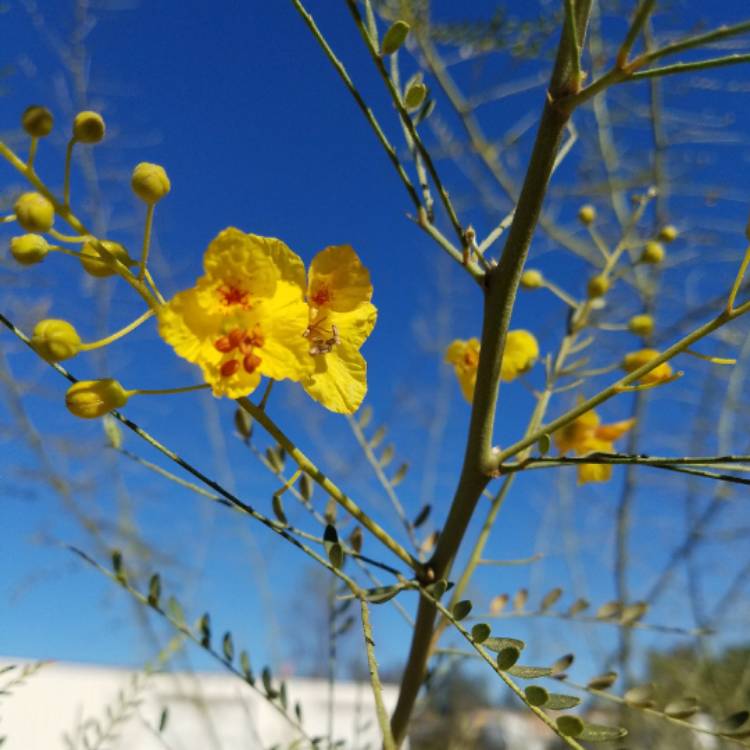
{"x": 660, "y": 374}
{"x": 585, "y": 434}
{"x": 521, "y": 352}
{"x": 340, "y": 318}
{"x": 244, "y": 317}
{"x": 464, "y": 356}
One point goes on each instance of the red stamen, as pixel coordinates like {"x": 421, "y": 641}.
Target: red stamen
{"x": 251, "y": 362}
{"x": 224, "y": 344}
{"x": 321, "y": 296}
{"x": 232, "y": 295}
{"x": 229, "y": 368}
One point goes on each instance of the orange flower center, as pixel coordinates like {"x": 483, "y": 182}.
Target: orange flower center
{"x": 471, "y": 358}
{"x": 231, "y": 295}
{"x": 244, "y": 342}
{"x": 321, "y": 296}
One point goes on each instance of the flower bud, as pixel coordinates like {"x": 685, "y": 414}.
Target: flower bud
{"x": 29, "y": 249}
{"x": 37, "y": 121}
{"x": 532, "y": 279}
{"x": 653, "y": 253}
{"x": 55, "y": 339}
{"x": 394, "y": 37}
{"x": 634, "y": 360}
{"x": 598, "y": 286}
{"x": 150, "y": 182}
{"x": 34, "y": 212}
{"x": 668, "y": 233}
{"x": 587, "y": 214}
{"x": 90, "y": 399}
{"x": 88, "y": 127}
{"x": 415, "y": 95}
{"x": 95, "y": 265}
{"x": 641, "y": 325}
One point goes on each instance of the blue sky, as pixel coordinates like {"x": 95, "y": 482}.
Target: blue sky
{"x": 256, "y": 131}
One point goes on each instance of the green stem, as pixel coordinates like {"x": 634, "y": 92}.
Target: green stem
{"x": 326, "y": 484}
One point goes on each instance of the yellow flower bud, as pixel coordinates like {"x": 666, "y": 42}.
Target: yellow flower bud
{"x": 55, "y": 339}
{"x": 29, "y": 249}
{"x": 653, "y": 253}
{"x": 642, "y": 325}
{"x": 34, "y": 212}
{"x": 532, "y": 279}
{"x": 88, "y": 127}
{"x": 587, "y": 214}
{"x": 598, "y": 286}
{"x": 634, "y": 360}
{"x": 37, "y": 121}
{"x": 95, "y": 265}
{"x": 668, "y": 233}
{"x": 150, "y": 182}
{"x": 90, "y": 399}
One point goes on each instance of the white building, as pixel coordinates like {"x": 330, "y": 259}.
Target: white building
{"x": 204, "y": 711}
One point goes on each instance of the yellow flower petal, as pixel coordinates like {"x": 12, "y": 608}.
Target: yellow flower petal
{"x": 521, "y": 352}
{"x": 337, "y": 280}
{"x": 340, "y": 379}
{"x": 464, "y": 356}
{"x": 594, "y": 473}
{"x": 610, "y": 432}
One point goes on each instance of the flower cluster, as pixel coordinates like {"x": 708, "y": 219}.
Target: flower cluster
{"x": 520, "y": 355}
{"x": 253, "y": 314}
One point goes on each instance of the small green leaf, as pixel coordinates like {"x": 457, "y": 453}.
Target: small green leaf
{"x": 275, "y": 458}
{"x": 520, "y": 599}
{"x": 529, "y": 673}
{"x": 683, "y": 708}
{"x": 579, "y": 605}
{"x": 243, "y": 423}
{"x": 480, "y": 632}
{"x": 640, "y": 696}
{"x": 536, "y": 695}
{"x": 569, "y": 726}
{"x": 462, "y": 609}
{"x": 562, "y": 664}
{"x": 497, "y": 604}
{"x": 227, "y": 645}
{"x": 422, "y": 516}
{"x": 112, "y": 432}
{"x": 602, "y": 681}
{"x": 306, "y": 486}
{"x": 543, "y": 444}
{"x": 633, "y": 613}
{"x": 278, "y": 510}
{"x": 561, "y": 702}
{"x": 387, "y": 455}
{"x": 267, "y": 684}
{"x": 365, "y": 417}
{"x": 283, "y": 696}
{"x": 398, "y": 477}
{"x": 117, "y": 566}
{"x": 332, "y": 546}
{"x": 175, "y": 612}
{"x": 609, "y": 610}
{"x": 438, "y": 588}
{"x": 507, "y": 658}
{"x": 377, "y": 438}
{"x": 154, "y": 590}
{"x": 246, "y": 669}
{"x": 599, "y": 733}
{"x": 498, "y": 644}
{"x": 381, "y": 594}
{"x": 550, "y": 599}
{"x": 298, "y": 712}
{"x": 163, "y": 719}
{"x": 735, "y": 724}
{"x": 204, "y": 628}
{"x": 394, "y": 37}
{"x": 355, "y": 539}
